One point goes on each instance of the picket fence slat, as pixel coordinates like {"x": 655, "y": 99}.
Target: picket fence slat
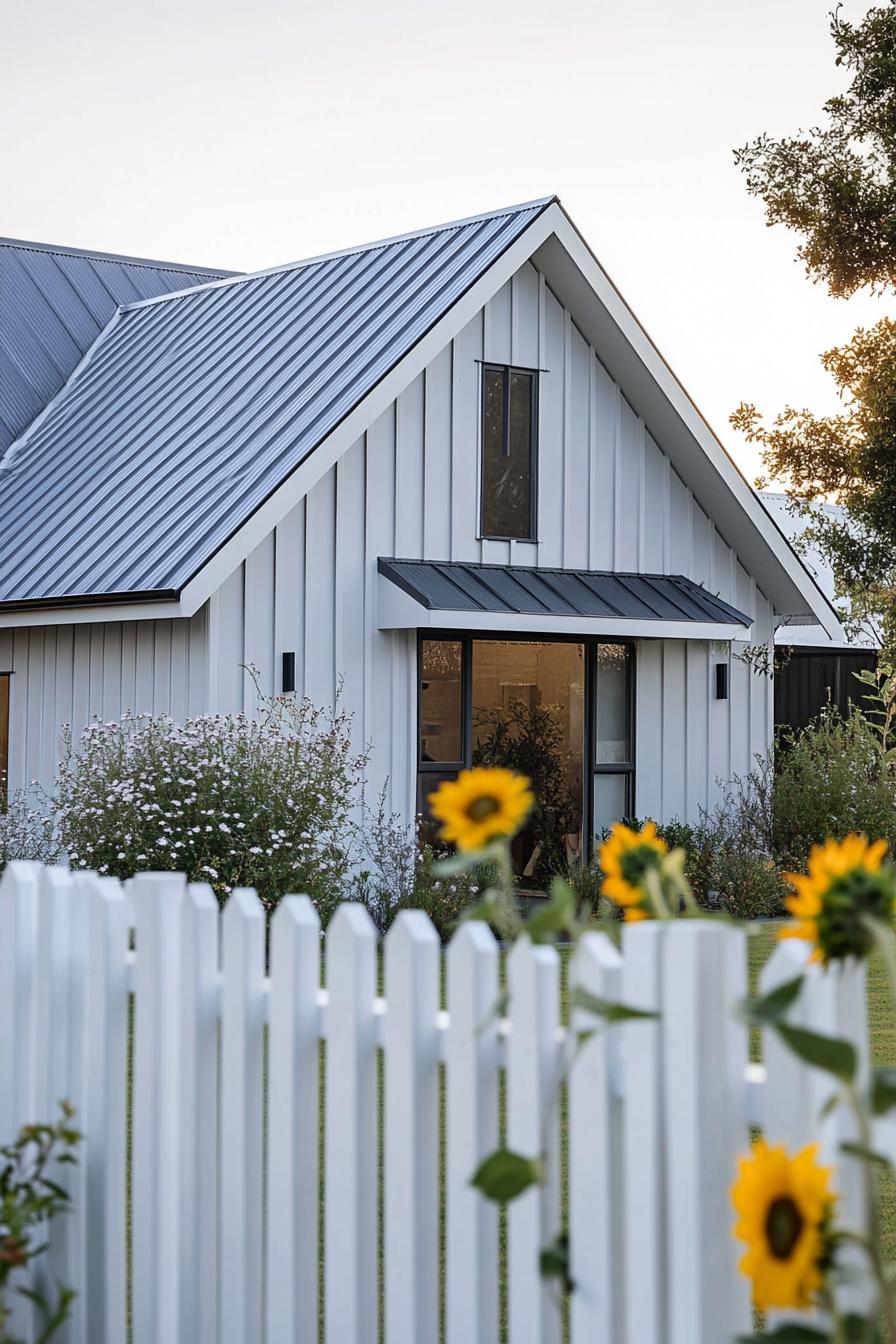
{"x": 197, "y": 1013}
{"x": 472, "y": 1133}
{"x": 242, "y": 1101}
{"x": 595, "y": 1150}
{"x": 158, "y": 901}
{"x": 533, "y": 1219}
{"x": 104, "y": 1117}
{"x": 350, "y": 1203}
{"x": 705, "y": 1051}
{"x": 412, "y": 1131}
{"x": 293, "y": 1124}
{"x": 643, "y": 1156}
{"x": 226, "y": 1169}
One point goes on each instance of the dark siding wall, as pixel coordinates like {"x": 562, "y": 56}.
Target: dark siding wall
{"x": 812, "y": 678}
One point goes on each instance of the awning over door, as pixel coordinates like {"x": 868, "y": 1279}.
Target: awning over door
{"x": 502, "y": 598}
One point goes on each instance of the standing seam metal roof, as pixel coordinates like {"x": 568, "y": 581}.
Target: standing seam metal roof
{"x": 54, "y": 302}
{"x": 190, "y": 410}
{"x": 461, "y": 586}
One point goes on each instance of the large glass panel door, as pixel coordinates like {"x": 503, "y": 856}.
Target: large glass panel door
{"x": 528, "y": 713}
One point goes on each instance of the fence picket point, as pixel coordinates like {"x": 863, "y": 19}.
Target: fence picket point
{"x": 293, "y": 1121}
{"x": 351, "y": 1130}
{"x": 533, "y": 1218}
{"x": 595, "y": 1151}
{"x": 472, "y": 1133}
{"x": 242, "y": 1099}
{"x": 411, "y": 1131}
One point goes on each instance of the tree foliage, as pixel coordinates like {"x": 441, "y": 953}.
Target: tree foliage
{"x": 835, "y": 186}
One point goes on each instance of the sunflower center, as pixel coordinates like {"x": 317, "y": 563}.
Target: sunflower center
{"x": 635, "y": 862}
{"x": 483, "y": 807}
{"x": 783, "y": 1225}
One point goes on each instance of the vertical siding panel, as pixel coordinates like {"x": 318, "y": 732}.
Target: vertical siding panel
{"x": 550, "y": 480}
{"x": 18, "y": 709}
{"x": 180, "y": 669}
{"x": 380, "y": 530}
{"x": 742, "y": 685}
{"x": 603, "y": 468}
{"x": 679, "y": 526}
{"x": 350, "y": 578}
{"x": 675, "y": 730}
{"x": 47, "y": 755}
{"x": 161, "y": 679}
{"x": 110, "y": 707}
{"x": 65, "y": 652}
{"x": 409, "y": 413}
{"x": 35, "y": 702}
{"x": 497, "y": 348}
{"x": 128, "y": 665}
{"x": 289, "y": 592}
{"x": 648, "y": 728}
{"x": 437, "y": 459}
{"x": 81, "y": 680}
{"x": 146, "y": 643}
{"x": 498, "y": 337}
{"x": 524, "y": 331}
{"x": 576, "y": 489}
{"x": 629, "y": 509}
{"x": 464, "y": 439}
{"x": 258, "y": 642}
{"x": 198, "y": 675}
{"x": 701, "y": 570}
{"x": 655, "y": 497}
{"x": 697, "y": 719}
{"x": 320, "y": 576}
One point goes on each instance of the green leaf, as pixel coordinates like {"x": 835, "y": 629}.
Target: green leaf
{"x": 557, "y": 915}
{"x": 788, "y": 1334}
{"x": 503, "y": 1175}
{"x": 883, "y": 1090}
{"x": 553, "y": 1262}
{"x": 770, "y": 1008}
{"x": 864, "y": 1154}
{"x": 607, "y": 1009}
{"x": 858, "y": 1330}
{"x": 830, "y": 1053}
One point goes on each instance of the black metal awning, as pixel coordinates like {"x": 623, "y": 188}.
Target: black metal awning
{"x": 595, "y": 601}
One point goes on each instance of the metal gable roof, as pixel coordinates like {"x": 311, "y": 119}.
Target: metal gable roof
{"x": 521, "y": 590}
{"x": 54, "y": 302}
{"x": 190, "y": 410}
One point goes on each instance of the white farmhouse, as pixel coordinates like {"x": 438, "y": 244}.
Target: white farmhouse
{"x": 448, "y": 472}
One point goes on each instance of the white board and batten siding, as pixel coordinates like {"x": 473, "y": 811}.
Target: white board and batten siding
{"x": 608, "y": 498}
{"x": 69, "y": 674}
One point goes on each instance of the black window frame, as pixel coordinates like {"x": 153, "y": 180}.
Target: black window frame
{"x": 489, "y": 366}
{"x": 590, "y": 767}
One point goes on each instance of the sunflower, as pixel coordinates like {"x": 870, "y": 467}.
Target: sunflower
{"x": 480, "y": 805}
{"x": 784, "y": 1205}
{"x": 624, "y": 857}
{"x": 847, "y": 883}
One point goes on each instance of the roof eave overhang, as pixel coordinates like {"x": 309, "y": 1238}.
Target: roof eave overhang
{"x": 398, "y": 610}
{"x": 82, "y": 610}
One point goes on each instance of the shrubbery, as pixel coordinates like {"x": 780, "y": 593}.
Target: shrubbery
{"x": 268, "y": 802}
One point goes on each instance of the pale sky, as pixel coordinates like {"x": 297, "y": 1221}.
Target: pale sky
{"x": 246, "y": 135}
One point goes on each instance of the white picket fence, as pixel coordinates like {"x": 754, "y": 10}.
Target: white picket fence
{"x": 227, "y": 1162}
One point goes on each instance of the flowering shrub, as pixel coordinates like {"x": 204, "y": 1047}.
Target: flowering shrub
{"x": 227, "y": 799}
{"x": 401, "y": 874}
{"x": 27, "y": 831}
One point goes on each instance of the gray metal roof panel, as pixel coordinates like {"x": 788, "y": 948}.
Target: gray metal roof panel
{"x": 523, "y": 590}
{"x": 190, "y": 410}
{"x": 54, "y": 302}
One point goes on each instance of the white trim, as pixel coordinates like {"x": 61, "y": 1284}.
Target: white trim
{"x": 397, "y": 610}
{"x": 28, "y": 617}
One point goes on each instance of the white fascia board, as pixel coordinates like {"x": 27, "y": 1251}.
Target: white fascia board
{"x": 357, "y": 422}
{"x": 660, "y": 399}
{"x": 397, "y": 610}
{"x": 23, "y": 617}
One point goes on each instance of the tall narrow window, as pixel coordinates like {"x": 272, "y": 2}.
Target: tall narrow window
{"x": 4, "y": 738}
{"x": 614, "y": 750}
{"x": 508, "y": 453}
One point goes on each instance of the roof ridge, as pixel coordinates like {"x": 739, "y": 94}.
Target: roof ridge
{"x": 237, "y": 278}
{"x": 89, "y": 254}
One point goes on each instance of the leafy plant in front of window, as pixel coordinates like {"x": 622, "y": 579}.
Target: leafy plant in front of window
{"x": 31, "y": 1196}
{"x": 268, "y": 802}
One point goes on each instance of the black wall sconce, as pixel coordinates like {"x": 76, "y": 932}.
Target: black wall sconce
{"x": 721, "y": 681}
{"x": 289, "y": 673}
